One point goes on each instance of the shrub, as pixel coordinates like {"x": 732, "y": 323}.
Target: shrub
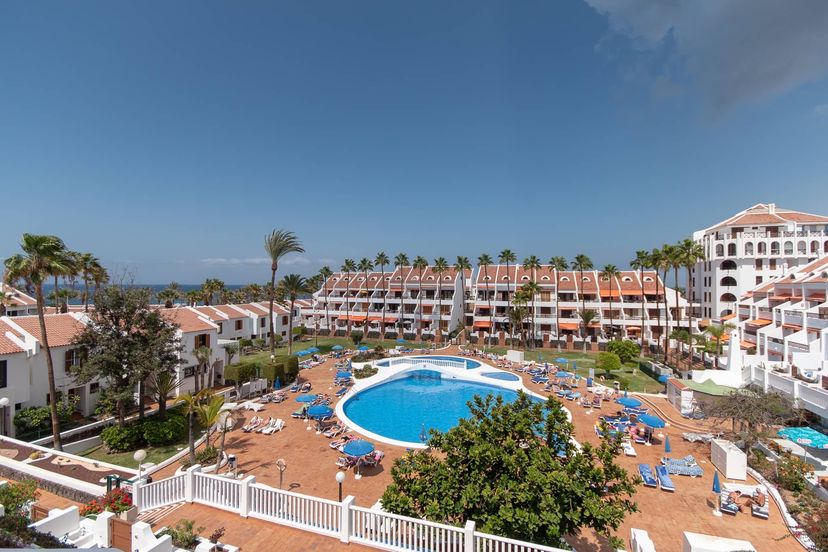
{"x": 206, "y": 457}
{"x": 259, "y": 343}
{"x": 792, "y": 471}
{"x": 184, "y": 534}
{"x": 356, "y": 337}
{"x": 123, "y": 438}
{"x": 625, "y": 349}
{"x": 159, "y": 433}
{"x": 608, "y": 362}
{"x": 15, "y": 497}
{"x": 116, "y": 501}
{"x": 365, "y": 372}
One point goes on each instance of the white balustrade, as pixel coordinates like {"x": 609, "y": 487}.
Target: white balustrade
{"x": 393, "y": 532}
{"x": 483, "y": 542}
{"x": 305, "y": 512}
{"x": 162, "y": 493}
{"x": 217, "y": 491}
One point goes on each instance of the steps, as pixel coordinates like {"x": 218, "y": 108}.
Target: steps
{"x": 156, "y": 514}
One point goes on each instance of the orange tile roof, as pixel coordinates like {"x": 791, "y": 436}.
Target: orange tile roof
{"x": 728, "y": 316}
{"x": 7, "y": 346}
{"x": 187, "y": 320}
{"x": 60, "y": 328}
{"x": 759, "y": 322}
{"x": 229, "y": 311}
{"x": 16, "y": 296}
{"x": 764, "y": 214}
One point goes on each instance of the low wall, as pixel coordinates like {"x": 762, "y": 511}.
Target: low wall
{"x": 78, "y": 447}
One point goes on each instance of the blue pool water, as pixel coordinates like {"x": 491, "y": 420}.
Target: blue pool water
{"x": 470, "y": 364}
{"x": 503, "y": 376}
{"x": 399, "y": 409}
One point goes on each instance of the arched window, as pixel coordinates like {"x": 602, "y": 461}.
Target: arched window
{"x": 626, "y": 279}
{"x": 728, "y": 281}
{"x": 762, "y": 248}
{"x": 788, "y": 248}
{"x": 825, "y": 247}
{"x": 749, "y": 248}
{"x": 486, "y": 278}
{"x": 720, "y": 250}
{"x": 564, "y": 278}
{"x": 814, "y": 247}
{"x": 728, "y": 265}
{"x": 728, "y": 297}
{"x": 648, "y": 278}
{"x": 774, "y": 248}
{"x": 505, "y": 278}
{"x": 430, "y": 278}
{"x": 585, "y": 279}
{"x": 802, "y": 248}
{"x": 447, "y": 278}
{"x": 525, "y": 278}
{"x": 731, "y": 250}
{"x": 545, "y": 278}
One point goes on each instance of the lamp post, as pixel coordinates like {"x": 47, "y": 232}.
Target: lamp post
{"x": 281, "y": 465}
{"x": 4, "y": 402}
{"x": 139, "y": 456}
{"x": 340, "y": 478}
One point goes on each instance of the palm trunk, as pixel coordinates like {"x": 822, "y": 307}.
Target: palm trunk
{"x": 489, "y": 300}
{"x": 439, "y": 304}
{"x": 50, "y": 369}
{"x": 666, "y": 317}
{"x": 420, "y": 301}
{"x": 141, "y": 400}
{"x": 290, "y": 327}
{"x": 191, "y": 437}
{"x": 85, "y": 293}
{"x": 509, "y": 303}
{"x": 643, "y": 304}
{"x": 612, "y": 320}
{"x": 327, "y": 316}
{"x": 221, "y": 449}
{"x": 558, "y": 308}
{"x": 348, "y": 304}
{"x": 382, "y": 322}
{"x": 271, "y": 330}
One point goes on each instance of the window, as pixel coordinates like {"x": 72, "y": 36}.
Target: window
{"x": 774, "y": 248}
{"x": 720, "y": 250}
{"x": 788, "y": 248}
{"x": 758, "y": 264}
{"x": 3, "y": 374}
{"x": 189, "y": 371}
{"x": 762, "y": 248}
{"x": 284, "y": 320}
{"x": 749, "y": 248}
{"x": 773, "y": 264}
{"x": 239, "y": 324}
{"x": 802, "y": 248}
{"x": 202, "y": 340}
{"x": 731, "y": 249}
{"x": 728, "y": 265}
{"x": 758, "y": 280}
{"x": 94, "y": 387}
{"x": 262, "y": 322}
{"x": 71, "y": 358}
{"x": 728, "y": 281}
{"x": 221, "y": 327}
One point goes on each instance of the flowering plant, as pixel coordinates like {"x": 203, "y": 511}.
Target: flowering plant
{"x": 116, "y": 501}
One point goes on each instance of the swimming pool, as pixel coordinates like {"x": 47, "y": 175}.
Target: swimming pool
{"x": 503, "y": 376}
{"x": 470, "y": 364}
{"x": 399, "y": 409}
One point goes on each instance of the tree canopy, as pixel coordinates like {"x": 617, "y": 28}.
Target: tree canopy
{"x": 513, "y": 469}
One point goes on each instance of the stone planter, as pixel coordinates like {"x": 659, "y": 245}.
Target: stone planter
{"x": 205, "y": 545}
{"x": 130, "y": 515}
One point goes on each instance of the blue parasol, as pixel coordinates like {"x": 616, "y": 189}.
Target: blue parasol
{"x": 336, "y": 348}
{"x": 651, "y": 421}
{"x": 319, "y": 411}
{"x": 663, "y": 379}
{"x": 358, "y": 447}
{"x": 307, "y": 398}
{"x": 717, "y": 486}
{"x": 667, "y": 447}
{"x": 805, "y": 436}
{"x": 277, "y": 384}
{"x": 563, "y": 375}
{"x": 629, "y": 402}
{"x": 562, "y": 360}
{"x": 312, "y": 350}
{"x": 400, "y": 340}
{"x": 363, "y": 348}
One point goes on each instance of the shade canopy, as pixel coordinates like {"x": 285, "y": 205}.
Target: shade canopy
{"x": 319, "y": 411}
{"x": 629, "y": 402}
{"x": 651, "y": 421}
{"x": 717, "y": 486}
{"x": 400, "y": 340}
{"x": 363, "y": 348}
{"x": 805, "y": 436}
{"x": 563, "y": 374}
{"x": 562, "y": 360}
{"x": 336, "y": 348}
{"x": 358, "y": 447}
{"x": 663, "y": 379}
{"x": 667, "y": 447}
{"x": 312, "y": 350}
{"x": 307, "y": 398}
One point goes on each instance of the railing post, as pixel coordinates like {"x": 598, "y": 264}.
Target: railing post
{"x": 468, "y": 536}
{"x": 345, "y": 521}
{"x": 137, "y": 499}
{"x": 245, "y": 492}
{"x": 189, "y": 482}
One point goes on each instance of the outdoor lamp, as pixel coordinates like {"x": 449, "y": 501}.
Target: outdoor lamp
{"x": 139, "y": 456}
{"x": 340, "y": 478}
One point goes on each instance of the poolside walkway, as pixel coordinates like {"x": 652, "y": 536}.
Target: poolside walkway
{"x": 311, "y": 470}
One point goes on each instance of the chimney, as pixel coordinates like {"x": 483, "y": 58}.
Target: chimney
{"x": 772, "y": 208}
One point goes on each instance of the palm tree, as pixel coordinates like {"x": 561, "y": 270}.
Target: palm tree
{"x": 676, "y": 259}
{"x": 461, "y": 265}
{"x": 61, "y": 298}
{"x": 292, "y": 286}
{"x": 420, "y": 264}
{"x": 161, "y": 385}
{"x": 209, "y": 289}
{"x": 530, "y": 289}
{"x": 64, "y": 266}
{"x": 192, "y": 403}
{"x": 610, "y": 272}
{"x": 483, "y": 261}
{"x": 401, "y": 261}
{"x": 587, "y": 316}
{"x": 203, "y": 355}
{"x": 208, "y": 413}
{"x": 99, "y": 277}
{"x": 278, "y": 244}
{"x": 718, "y": 333}
{"x": 87, "y": 265}
{"x": 168, "y": 296}
{"x": 382, "y": 259}
{"x": 325, "y": 272}
{"x": 641, "y": 262}
{"x": 691, "y": 254}
{"x": 533, "y": 263}
{"x": 347, "y": 267}
{"x": 558, "y": 264}
{"x": 193, "y": 297}
{"x": 366, "y": 266}
{"x": 655, "y": 260}
{"x": 440, "y": 267}
{"x": 518, "y": 314}
{"x": 507, "y": 256}
{"x": 42, "y": 256}
{"x": 581, "y": 263}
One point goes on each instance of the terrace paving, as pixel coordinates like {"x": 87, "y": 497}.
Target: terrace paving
{"x": 311, "y": 470}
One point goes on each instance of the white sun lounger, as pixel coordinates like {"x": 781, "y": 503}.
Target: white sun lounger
{"x": 629, "y": 449}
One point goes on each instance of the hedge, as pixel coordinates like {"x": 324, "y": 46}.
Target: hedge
{"x": 285, "y": 368}
{"x": 151, "y": 431}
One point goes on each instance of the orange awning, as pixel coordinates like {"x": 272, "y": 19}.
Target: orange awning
{"x": 482, "y": 324}
{"x": 780, "y": 297}
{"x": 634, "y": 328}
{"x": 610, "y": 293}
{"x": 568, "y": 326}
{"x": 747, "y": 344}
{"x": 374, "y": 318}
{"x": 354, "y": 317}
{"x": 758, "y": 322}
{"x": 729, "y": 316}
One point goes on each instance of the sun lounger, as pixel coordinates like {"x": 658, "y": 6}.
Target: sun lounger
{"x": 664, "y": 480}
{"x": 342, "y": 391}
{"x": 586, "y": 402}
{"x": 264, "y": 425}
{"x": 681, "y": 469}
{"x": 274, "y": 426}
{"x": 574, "y": 396}
{"x": 345, "y": 462}
{"x": 629, "y": 449}
{"x": 596, "y": 403}
{"x": 760, "y": 511}
{"x": 726, "y": 505}
{"x": 254, "y": 422}
{"x": 305, "y": 387}
{"x": 698, "y": 437}
{"x": 646, "y": 473}
{"x": 333, "y": 431}
{"x": 300, "y": 413}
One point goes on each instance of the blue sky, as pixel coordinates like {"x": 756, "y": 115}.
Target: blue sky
{"x": 169, "y": 137}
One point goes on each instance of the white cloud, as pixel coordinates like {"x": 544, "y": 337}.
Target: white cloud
{"x": 326, "y": 260}
{"x": 294, "y": 260}
{"x": 821, "y": 110}
{"x": 736, "y": 51}
{"x": 225, "y": 261}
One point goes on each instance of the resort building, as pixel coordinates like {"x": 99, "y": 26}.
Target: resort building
{"x": 749, "y": 249}
{"x": 258, "y": 313}
{"x": 405, "y": 301}
{"x": 233, "y": 322}
{"x": 195, "y": 330}
{"x": 630, "y": 305}
{"x": 16, "y": 303}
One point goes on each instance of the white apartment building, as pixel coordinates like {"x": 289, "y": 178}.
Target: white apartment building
{"x": 195, "y": 330}
{"x": 258, "y": 313}
{"x": 427, "y": 303}
{"x": 15, "y": 302}
{"x": 618, "y": 304}
{"x": 750, "y": 248}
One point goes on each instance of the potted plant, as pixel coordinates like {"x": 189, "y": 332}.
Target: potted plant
{"x": 117, "y": 501}
{"x": 214, "y": 539}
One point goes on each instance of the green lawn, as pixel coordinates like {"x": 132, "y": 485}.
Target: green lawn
{"x": 708, "y": 387}
{"x": 155, "y": 455}
{"x": 324, "y": 344}
{"x": 584, "y": 361}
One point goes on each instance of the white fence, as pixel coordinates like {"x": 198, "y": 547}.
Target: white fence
{"x": 459, "y": 364}
{"x": 371, "y": 527}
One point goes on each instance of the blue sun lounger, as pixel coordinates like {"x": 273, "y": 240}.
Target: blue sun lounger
{"x": 574, "y": 396}
{"x": 664, "y": 480}
{"x": 341, "y": 391}
{"x": 681, "y": 469}
{"x": 646, "y": 473}
{"x": 726, "y": 505}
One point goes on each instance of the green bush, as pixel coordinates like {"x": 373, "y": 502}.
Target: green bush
{"x": 184, "y": 534}
{"x": 365, "y": 372}
{"x": 792, "y": 471}
{"x": 356, "y": 337}
{"x": 206, "y": 457}
{"x": 625, "y": 349}
{"x": 608, "y": 362}
{"x": 171, "y": 430}
{"x": 123, "y": 438}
